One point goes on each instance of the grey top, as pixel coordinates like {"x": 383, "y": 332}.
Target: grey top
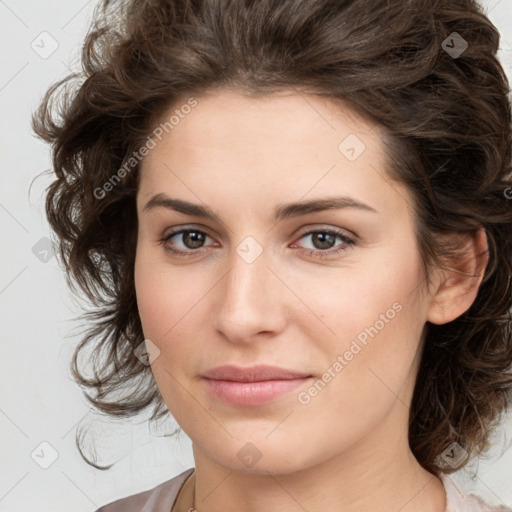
{"x": 162, "y": 497}
{"x": 158, "y": 499}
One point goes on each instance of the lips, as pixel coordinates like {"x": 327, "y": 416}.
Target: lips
{"x": 252, "y": 386}
{"x": 253, "y": 374}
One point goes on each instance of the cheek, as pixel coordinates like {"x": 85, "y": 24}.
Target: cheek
{"x": 163, "y": 304}
{"x": 172, "y": 313}
{"x": 368, "y": 365}
{"x": 152, "y": 303}
{"x": 377, "y": 318}
{"x": 163, "y": 297}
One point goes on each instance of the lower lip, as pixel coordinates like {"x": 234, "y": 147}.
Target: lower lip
{"x": 253, "y": 393}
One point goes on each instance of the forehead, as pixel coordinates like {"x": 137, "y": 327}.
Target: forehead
{"x": 220, "y": 114}
{"x": 293, "y": 144}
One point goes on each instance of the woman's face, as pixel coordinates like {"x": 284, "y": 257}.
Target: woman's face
{"x": 333, "y": 294}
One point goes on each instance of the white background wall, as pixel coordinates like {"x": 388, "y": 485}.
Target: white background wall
{"x": 38, "y": 400}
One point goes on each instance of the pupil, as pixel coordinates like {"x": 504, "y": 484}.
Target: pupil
{"x": 195, "y": 237}
{"x": 323, "y": 237}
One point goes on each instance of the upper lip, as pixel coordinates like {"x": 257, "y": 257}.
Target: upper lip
{"x": 253, "y": 373}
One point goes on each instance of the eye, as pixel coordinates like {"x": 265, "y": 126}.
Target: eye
{"x": 324, "y": 239}
{"x": 191, "y": 238}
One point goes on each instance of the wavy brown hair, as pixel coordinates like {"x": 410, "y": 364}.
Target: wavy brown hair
{"x": 447, "y": 120}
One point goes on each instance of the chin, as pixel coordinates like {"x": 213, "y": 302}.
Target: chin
{"x": 263, "y": 457}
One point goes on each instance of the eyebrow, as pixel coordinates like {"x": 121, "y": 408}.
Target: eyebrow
{"x": 282, "y": 211}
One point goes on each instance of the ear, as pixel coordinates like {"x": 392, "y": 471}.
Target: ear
{"x": 458, "y": 285}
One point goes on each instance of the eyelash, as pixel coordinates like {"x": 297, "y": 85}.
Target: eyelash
{"x": 347, "y": 242}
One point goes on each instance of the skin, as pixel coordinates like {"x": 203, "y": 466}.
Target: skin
{"x": 346, "y": 449}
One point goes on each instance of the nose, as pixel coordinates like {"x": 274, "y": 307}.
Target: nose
{"x": 251, "y": 300}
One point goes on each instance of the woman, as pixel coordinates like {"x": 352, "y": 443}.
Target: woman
{"x": 294, "y": 221}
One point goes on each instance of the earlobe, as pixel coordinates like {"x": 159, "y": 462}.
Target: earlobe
{"x": 460, "y": 280}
